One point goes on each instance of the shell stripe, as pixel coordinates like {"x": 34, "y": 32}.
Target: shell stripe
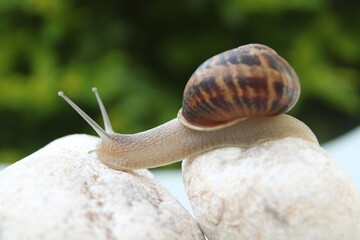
{"x": 197, "y": 104}
{"x": 233, "y": 89}
{"x": 214, "y": 94}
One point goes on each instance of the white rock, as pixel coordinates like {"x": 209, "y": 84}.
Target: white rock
{"x": 62, "y": 192}
{"x": 288, "y": 189}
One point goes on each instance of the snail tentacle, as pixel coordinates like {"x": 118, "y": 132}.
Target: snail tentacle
{"x": 107, "y": 123}
{"x": 101, "y": 132}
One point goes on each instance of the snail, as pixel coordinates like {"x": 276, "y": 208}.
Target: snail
{"x": 236, "y": 98}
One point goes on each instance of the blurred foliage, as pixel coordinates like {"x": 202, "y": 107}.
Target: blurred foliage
{"x": 140, "y": 54}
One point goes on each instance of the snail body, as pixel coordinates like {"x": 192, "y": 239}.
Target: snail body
{"x": 236, "y": 98}
{"x": 172, "y": 141}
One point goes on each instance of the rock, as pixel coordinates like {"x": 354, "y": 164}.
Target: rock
{"x": 63, "y": 192}
{"x": 288, "y": 189}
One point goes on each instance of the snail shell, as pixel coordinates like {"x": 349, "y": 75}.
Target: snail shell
{"x": 248, "y": 81}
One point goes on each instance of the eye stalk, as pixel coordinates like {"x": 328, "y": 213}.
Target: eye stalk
{"x": 103, "y": 134}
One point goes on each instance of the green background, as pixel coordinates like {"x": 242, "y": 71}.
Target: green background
{"x": 140, "y": 54}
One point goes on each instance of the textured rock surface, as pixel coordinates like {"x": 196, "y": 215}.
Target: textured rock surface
{"x": 288, "y": 189}
{"x": 62, "y": 192}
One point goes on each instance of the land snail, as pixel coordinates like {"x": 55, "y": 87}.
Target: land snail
{"x": 236, "y": 98}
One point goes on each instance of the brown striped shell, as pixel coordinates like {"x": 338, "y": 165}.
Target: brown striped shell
{"x": 248, "y": 81}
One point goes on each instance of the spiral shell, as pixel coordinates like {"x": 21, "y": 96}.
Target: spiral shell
{"x": 248, "y": 81}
